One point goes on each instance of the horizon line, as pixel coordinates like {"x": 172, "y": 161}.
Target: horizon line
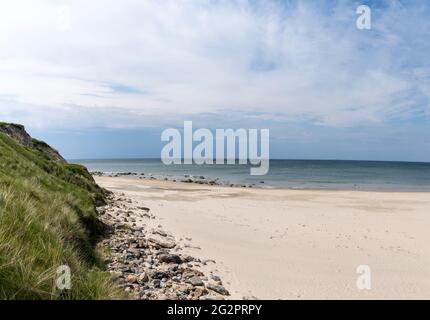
{"x": 272, "y": 159}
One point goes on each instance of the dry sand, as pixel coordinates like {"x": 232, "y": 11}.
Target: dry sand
{"x": 297, "y": 244}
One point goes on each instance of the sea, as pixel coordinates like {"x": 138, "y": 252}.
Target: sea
{"x": 293, "y": 174}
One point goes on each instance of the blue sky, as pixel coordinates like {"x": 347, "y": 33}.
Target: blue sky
{"x": 103, "y": 79}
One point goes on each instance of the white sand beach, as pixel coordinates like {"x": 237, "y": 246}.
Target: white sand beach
{"x": 296, "y": 244}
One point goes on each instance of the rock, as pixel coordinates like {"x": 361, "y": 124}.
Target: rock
{"x": 147, "y": 263}
{"x": 159, "y": 275}
{"x": 189, "y": 273}
{"x": 18, "y": 133}
{"x": 216, "y": 278}
{"x": 188, "y": 259}
{"x": 199, "y": 291}
{"x": 131, "y": 278}
{"x": 218, "y": 288}
{"x": 170, "y": 258}
{"x": 143, "y": 277}
{"x": 191, "y": 247}
{"x": 161, "y": 242}
{"x": 160, "y": 232}
{"x": 196, "y": 281}
{"x": 173, "y": 269}
{"x": 156, "y": 283}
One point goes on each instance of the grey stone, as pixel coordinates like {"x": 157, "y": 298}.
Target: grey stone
{"x": 162, "y": 242}
{"x": 218, "y": 288}
{"x": 196, "y": 281}
{"x": 170, "y": 258}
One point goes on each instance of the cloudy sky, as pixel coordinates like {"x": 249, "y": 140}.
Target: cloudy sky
{"x": 104, "y": 78}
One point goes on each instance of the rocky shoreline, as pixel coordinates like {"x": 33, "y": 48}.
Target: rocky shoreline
{"x": 185, "y": 179}
{"x": 148, "y": 263}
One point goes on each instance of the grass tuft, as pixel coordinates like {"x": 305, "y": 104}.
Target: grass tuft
{"x": 48, "y": 219}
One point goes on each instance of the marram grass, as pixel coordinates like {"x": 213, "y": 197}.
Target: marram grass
{"x": 48, "y": 219}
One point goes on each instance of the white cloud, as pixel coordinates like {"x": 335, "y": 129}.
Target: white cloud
{"x": 194, "y": 57}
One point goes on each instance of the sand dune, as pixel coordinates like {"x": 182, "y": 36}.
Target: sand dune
{"x": 297, "y": 244}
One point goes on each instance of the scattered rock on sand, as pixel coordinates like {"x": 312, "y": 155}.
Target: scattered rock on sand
{"x": 145, "y": 262}
{"x": 170, "y": 258}
{"x": 162, "y": 242}
{"x": 196, "y": 281}
{"x": 131, "y": 278}
{"x": 215, "y": 278}
{"x": 143, "y": 277}
{"x": 218, "y": 288}
{"x": 160, "y": 232}
{"x": 199, "y": 292}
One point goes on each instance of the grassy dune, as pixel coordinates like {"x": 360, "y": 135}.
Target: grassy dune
{"x": 47, "y": 219}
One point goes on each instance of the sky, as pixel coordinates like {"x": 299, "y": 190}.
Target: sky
{"x": 103, "y": 79}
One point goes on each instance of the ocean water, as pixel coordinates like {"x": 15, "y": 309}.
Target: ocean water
{"x": 296, "y": 174}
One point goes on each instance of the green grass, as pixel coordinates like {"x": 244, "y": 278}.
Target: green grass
{"x": 48, "y": 219}
{"x": 2, "y": 124}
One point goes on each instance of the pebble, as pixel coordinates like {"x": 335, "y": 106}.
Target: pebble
{"x": 215, "y": 278}
{"x": 145, "y": 263}
{"x": 143, "y": 277}
{"x": 164, "y": 243}
{"x": 218, "y": 288}
{"x": 196, "y": 281}
{"x": 131, "y": 278}
{"x": 170, "y": 258}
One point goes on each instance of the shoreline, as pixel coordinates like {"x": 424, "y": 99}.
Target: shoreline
{"x": 201, "y": 180}
{"x": 295, "y": 244}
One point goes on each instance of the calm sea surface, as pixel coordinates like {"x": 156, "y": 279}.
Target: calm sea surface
{"x": 297, "y": 174}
